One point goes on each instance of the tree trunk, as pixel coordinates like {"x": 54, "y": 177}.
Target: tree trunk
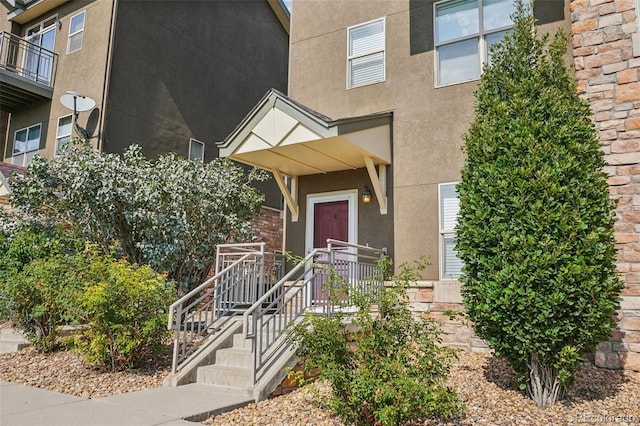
{"x": 543, "y": 385}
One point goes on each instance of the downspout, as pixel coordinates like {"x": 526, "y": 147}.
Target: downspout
{"x": 107, "y": 75}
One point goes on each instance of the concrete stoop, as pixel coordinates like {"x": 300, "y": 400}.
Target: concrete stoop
{"x": 234, "y": 365}
{"x": 12, "y": 340}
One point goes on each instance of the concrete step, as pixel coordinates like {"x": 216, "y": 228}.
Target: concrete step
{"x": 240, "y": 342}
{"x": 226, "y": 376}
{"x": 235, "y": 357}
{"x": 12, "y": 341}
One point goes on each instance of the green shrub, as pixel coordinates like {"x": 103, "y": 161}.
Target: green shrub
{"x": 535, "y": 230}
{"x": 38, "y": 281}
{"x": 384, "y": 367}
{"x": 42, "y": 297}
{"x": 126, "y": 307}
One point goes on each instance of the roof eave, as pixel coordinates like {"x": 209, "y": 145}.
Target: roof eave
{"x": 282, "y": 13}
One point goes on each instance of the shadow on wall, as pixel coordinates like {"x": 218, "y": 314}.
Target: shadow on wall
{"x": 92, "y": 121}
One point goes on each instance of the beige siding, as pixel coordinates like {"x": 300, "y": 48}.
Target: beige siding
{"x": 428, "y": 121}
{"x": 81, "y": 71}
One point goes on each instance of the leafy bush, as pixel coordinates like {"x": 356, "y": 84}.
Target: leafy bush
{"x": 126, "y": 308}
{"x": 39, "y": 283}
{"x": 535, "y": 230}
{"x": 169, "y": 213}
{"x": 42, "y": 297}
{"x": 384, "y": 366}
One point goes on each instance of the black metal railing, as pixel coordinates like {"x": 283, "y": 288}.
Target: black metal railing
{"x": 27, "y": 59}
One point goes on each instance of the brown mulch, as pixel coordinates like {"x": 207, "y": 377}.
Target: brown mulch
{"x": 485, "y": 385}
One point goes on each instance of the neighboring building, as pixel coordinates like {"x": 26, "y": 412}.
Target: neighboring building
{"x": 6, "y": 173}
{"x": 379, "y": 96}
{"x": 171, "y": 76}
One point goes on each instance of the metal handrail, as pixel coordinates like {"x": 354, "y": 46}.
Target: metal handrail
{"x": 288, "y": 300}
{"x": 241, "y": 281}
{"x": 27, "y": 59}
{"x": 206, "y": 309}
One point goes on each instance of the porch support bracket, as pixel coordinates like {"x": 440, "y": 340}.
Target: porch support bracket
{"x": 378, "y": 181}
{"x": 291, "y": 198}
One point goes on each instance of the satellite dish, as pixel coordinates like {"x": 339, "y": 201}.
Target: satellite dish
{"x": 77, "y": 102}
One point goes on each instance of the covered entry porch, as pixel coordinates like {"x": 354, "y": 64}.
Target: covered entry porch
{"x": 323, "y": 167}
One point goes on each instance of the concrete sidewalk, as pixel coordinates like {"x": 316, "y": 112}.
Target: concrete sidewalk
{"x": 169, "y": 406}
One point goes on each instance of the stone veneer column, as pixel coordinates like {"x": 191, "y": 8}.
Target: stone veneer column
{"x": 606, "y": 53}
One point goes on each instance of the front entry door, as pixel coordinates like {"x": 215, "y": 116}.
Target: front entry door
{"x": 329, "y": 215}
{"x": 331, "y": 220}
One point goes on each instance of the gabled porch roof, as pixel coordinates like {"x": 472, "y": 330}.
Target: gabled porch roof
{"x": 289, "y": 139}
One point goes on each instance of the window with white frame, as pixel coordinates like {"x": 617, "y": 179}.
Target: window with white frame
{"x": 464, "y": 32}
{"x": 365, "y": 54}
{"x": 76, "y": 32}
{"x": 26, "y": 144}
{"x": 450, "y": 264}
{"x": 38, "y": 59}
{"x": 196, "y": 150}
{"x": 63, "y": 133}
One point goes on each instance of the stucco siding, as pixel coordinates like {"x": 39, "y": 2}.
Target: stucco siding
{"x": 428, "y": 122}
{"x": 82, "y": 71}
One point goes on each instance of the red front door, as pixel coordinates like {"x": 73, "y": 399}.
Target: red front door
{"x": 331, "y": 220}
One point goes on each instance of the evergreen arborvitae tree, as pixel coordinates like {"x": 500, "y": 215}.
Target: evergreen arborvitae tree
{"x": 535, "y": 229}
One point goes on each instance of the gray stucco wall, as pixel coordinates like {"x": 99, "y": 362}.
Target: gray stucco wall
{"x": 190, "y": 69}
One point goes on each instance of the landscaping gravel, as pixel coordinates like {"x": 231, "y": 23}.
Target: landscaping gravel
{"x": 484, "y": 384}
{"x": 65, "y": 371}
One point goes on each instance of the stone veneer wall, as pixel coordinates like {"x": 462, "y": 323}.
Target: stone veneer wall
{"x": 606, "y": 52}
{"x": 435, "y": 300}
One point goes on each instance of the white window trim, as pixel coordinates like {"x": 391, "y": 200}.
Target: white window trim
{"x": 84, "y": 21}
{"x": 57, "y": 148}
{"x": 481, "y": 36}
{"x": 442, "y": 234}
{"x": 24, "y": 153}
{"x": 192, "y": 141}
{"x": 41, "y": 25}
{"x": 350, "y": 195}
{"x": 368, "y": 53}
{"x": 40, "y": 29}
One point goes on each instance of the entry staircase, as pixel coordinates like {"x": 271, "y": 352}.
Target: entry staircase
{"x": 231, "y": 331}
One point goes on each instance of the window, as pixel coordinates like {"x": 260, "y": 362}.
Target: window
{"x": 365, "y": 56}
{"x": 76, "y": 32}
{"x": 63, "y": 134}
{"x": 25, "y": 144}
{"x": 38, "y": 57}
{"x": 465, "y": 30}
{"x": 451, "y": 265}
{"x": 196, "y": 150}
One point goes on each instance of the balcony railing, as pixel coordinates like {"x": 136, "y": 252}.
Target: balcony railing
{"x": 27, "y": 59}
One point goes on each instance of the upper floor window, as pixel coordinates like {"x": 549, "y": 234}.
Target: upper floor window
{"x": 38, "y": 58}
{"x": 25, "y": 144}
{"x": 365, "y": 56}
{"x": 450, "y": 264}
{"x": 63, "y": 133}
{"x": 76, "y": 32}
{"x": 465, "y": 30}
{"x": 196, "y": 150}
